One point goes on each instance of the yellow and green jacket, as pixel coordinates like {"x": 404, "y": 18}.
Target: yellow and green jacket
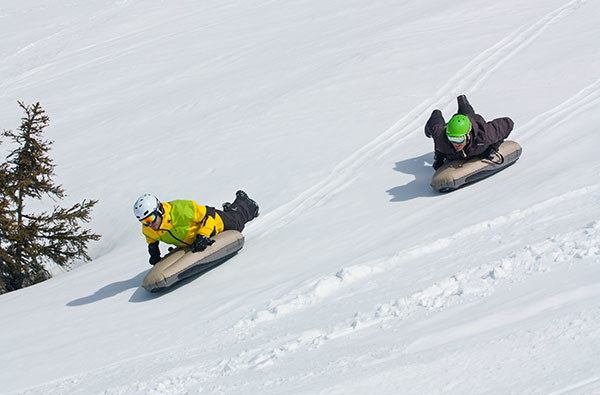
{"x": 182, "y": 221}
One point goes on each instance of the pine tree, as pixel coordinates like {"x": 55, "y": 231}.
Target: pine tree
{"x": 5, "y": 228}
{"x": 30, "y": 240}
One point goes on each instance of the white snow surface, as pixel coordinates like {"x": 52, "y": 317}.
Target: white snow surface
{"x": 357, "y": 278}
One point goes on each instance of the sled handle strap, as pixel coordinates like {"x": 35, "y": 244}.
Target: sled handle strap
{"x": 501, "y": 159}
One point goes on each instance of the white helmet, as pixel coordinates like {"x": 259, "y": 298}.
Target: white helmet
{"x": 146, "y": 205}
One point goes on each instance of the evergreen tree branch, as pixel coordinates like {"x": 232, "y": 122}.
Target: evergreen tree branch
{"x": 29, "y": 240}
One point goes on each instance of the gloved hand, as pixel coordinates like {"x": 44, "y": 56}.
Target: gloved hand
{"x": 201, "y": 243}
{"x": 464, "y": 107}
{"x": 435, "y": 120}
{"x": 491, "y": 154}
{"x": 154, "y": 252}
{"x": 438, "y": 160}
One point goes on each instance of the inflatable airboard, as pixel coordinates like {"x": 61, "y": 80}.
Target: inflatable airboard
{"x": 182, "y": 262}
{"x": 458, "y": 173}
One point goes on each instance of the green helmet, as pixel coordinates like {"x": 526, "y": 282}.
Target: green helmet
{"x": 458, "y": 125}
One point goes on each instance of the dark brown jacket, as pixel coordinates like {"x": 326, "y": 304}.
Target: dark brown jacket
{"x": 483, "y": 135}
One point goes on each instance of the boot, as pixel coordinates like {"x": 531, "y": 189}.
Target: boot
{"x": 252, "y": 205}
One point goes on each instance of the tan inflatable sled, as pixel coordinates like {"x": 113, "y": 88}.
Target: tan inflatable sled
{"x": 182, "y": 262}
{"x": 458, "y": 173}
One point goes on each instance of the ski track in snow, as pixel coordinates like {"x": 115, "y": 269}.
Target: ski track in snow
{"x": 195, "y": 369}
{"x": 54, "y": 57}
{"x": 462, "y": 287}
{"x": 592, "y": 383}
{"x": 468, "y": 79}
{"x": 478, "y": 282}
{"x": 516, "y": 215}
{"x": 315, "y": 291}
{"x": 310, "y": 293}
{"x": 586, "y": 99}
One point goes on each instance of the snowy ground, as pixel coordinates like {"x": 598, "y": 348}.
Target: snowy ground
{"x": 357, "y": 278}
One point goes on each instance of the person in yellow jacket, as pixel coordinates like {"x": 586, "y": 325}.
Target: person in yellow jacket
{"x": 186, "y": 223}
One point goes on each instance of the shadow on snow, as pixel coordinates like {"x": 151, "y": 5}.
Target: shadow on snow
{"x": 420, "y": 167}
{"x": 110, "y": 290}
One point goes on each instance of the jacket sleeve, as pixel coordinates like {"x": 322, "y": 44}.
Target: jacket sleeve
{"x": 499, "y": 129}
{"x": 149, "y": 239}
{"x": 436, "y": 122}
{"x": 154, "y": 249}
{"x": 464, "y": 107}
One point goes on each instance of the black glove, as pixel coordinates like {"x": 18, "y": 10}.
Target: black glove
{"x": 201, "y": 243}
{"x": 438, "y": 160}
{"x": 464, "y": 107}
{"x": 435, "y": 120}
{"x": 492, "y": 154}
{"x": 154, "y": 252}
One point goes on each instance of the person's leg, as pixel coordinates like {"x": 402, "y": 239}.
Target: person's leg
{"x": 233, "y": 219}
{"x": 235, "y": 215}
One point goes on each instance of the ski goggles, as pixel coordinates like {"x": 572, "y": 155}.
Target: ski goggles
{"x": 149, "y": 220}
{"x": 457, "y": 139}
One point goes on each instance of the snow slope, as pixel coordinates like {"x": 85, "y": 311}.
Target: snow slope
{"x": 357, "y": 278}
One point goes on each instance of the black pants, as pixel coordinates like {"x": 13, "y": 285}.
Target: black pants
{"x": 237, "y": 216}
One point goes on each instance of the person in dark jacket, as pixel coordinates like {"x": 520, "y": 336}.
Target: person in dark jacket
{"x": 185, "y": 223}
{"x": 466, "y": 134}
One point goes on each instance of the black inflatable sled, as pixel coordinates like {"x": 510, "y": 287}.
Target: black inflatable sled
{"x": 459, "y": 173}
{"x": 182, "y": 262}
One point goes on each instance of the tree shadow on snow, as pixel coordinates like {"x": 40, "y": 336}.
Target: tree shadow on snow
{"x": 110, "y": 290}
{"x": 420, "y": 167}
